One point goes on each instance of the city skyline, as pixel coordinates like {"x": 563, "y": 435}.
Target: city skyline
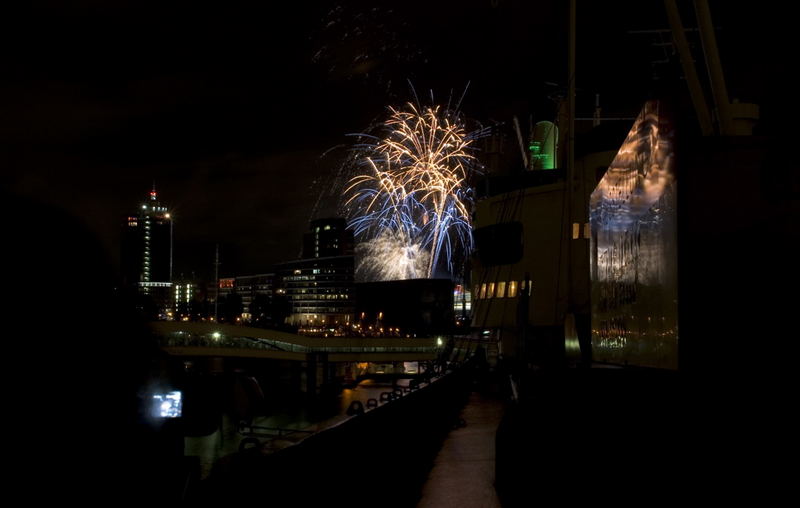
{"x": 240, "y": 115}
{"x": 191, "y": 317}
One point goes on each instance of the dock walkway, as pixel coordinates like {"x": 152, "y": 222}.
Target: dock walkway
{"x": 463, "y": 472}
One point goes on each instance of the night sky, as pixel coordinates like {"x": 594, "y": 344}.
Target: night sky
{"x": 230, "y": 108}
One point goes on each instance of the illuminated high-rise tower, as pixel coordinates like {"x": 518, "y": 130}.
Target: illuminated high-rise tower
{"x": 328, "y": 237}
{"x": 147, "y": 251}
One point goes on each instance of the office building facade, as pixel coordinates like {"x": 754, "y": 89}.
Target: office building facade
{"x": 328, "y": 238}
{"x": 319, "y": 292}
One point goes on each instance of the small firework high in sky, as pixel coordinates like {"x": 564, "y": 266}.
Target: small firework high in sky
{"x": 410, "y": 201}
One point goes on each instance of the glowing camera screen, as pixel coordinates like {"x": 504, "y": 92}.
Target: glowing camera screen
{"x": 168, "y": 405}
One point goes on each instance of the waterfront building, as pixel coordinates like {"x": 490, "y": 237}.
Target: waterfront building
{"x": 227, "y": 286}
{"x": 256, "y": 292}
{"x": 146, "y": 257}
{"x": 319, "y": 292}
{"x": 184, "y": 296}
{"x": 318, "y": 289}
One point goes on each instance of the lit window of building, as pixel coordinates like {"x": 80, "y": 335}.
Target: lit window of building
{"x": 462, "y": 300}
{"x": 523, "y": 287}
{"x": 512, "y": 289}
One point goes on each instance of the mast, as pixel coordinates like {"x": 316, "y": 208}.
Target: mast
{"x": 689, "y": 71}
{"x": 571, "y": 174}
{"x": 216, "y": 278}
{"x": 715, "y": 74}
{"x": 571, "y": 95}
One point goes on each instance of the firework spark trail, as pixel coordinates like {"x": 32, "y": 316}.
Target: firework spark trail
{"x": 391, "y": 256}
{"x": 413, "y": 190}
